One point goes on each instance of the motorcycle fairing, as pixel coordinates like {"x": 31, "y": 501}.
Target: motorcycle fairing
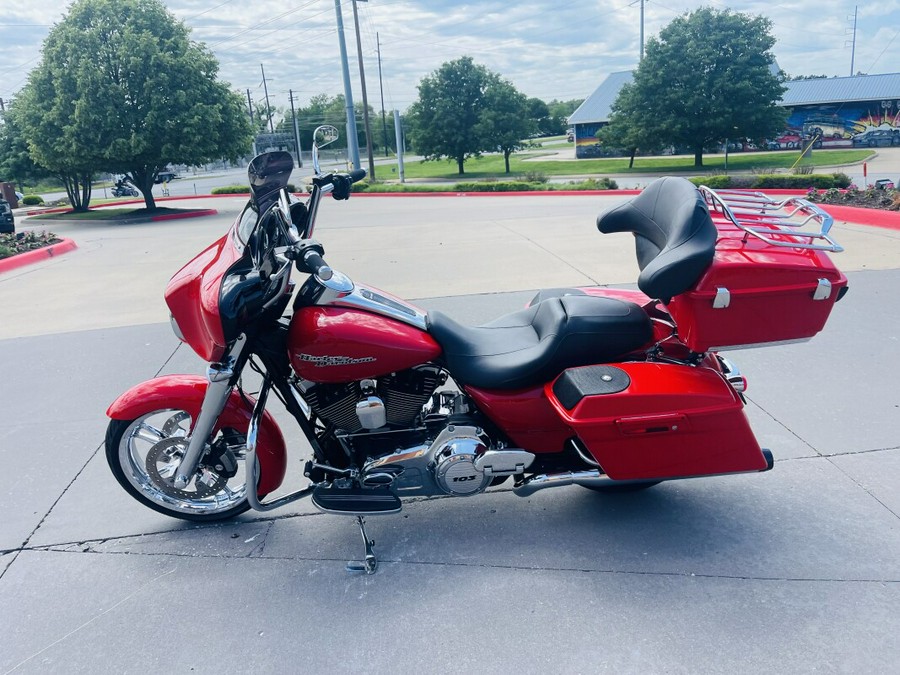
{"x": 193, "y": 297}
{"x": 186, "y": 392}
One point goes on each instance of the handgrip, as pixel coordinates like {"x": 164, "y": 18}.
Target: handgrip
{"x": 356, "y": 175}
{"x": 315, "y": 264}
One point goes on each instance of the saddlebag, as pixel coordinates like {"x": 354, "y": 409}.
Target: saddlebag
{"x": 657, "y": 420}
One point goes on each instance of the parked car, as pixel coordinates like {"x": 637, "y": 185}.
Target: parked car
{"x": 165, "y": 175}
{"x": 7, "y": 219}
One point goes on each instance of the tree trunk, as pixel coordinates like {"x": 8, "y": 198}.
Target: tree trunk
{"x": 698, "y": 157}
{"x": 631, "y": 160}
{"x": 78, "y": 189}
{"x": 143, "y": 181}
{"x": 506, "y": 154}
{"x": 459, "y": 162}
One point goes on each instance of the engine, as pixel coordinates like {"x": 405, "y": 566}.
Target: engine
{"x": 395, "y": 400}
{"x": 443, "y": 452}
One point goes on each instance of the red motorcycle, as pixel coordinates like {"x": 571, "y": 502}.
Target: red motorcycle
{"x": 613, "y": 390}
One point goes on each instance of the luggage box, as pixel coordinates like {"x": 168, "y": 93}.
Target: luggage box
{"x": 769, "y": 282}
{"x": 657, "y": 420}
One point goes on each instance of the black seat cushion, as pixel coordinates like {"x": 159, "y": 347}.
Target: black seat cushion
{"x": 674, "y": 235}
{"x": 533, "y": 345}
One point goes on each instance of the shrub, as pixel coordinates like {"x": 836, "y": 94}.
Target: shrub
{"x": 714, "y": 182}
{"x": 536, "y": 177}
{"x": 505, "y": 186}
{"x": 32, "y": 200}
{"x": 841, "y": 180}
{"x": 804, "y": 170}
{"x": 603, "y": 183}
{"x": 11, "y": 244}
{"x": 773, "y": 181}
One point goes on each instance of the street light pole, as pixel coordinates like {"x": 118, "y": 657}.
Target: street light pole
{"x": 352, "y": 140}
{"x": 381, "y": 87}
{"x": 362, "y": 79}
{"x": 296, "y": 130}
{"x": 268, "y": 107}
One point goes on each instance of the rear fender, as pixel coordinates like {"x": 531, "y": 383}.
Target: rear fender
{"x": 186, "y": 392}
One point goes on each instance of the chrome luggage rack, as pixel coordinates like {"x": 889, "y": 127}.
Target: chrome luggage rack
{"x": 776, "y": 223}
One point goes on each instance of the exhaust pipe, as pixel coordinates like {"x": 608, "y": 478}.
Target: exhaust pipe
{"x": 543, "y": 481}
{"x": 595, "y": 478}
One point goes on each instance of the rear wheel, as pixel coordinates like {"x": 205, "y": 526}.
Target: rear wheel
{"x": 144, "y": 454}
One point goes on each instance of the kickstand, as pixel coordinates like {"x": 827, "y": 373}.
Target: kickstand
{"x": 371, "y": 562}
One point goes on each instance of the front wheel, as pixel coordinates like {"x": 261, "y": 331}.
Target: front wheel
{"x": 144, "y": 454}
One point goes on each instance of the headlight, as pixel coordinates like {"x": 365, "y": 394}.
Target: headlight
{"x": 175, "y": 328}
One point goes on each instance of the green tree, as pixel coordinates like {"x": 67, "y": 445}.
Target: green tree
{"x": 16, "y": 162}
{"x": 624, "y": 131}
{"x": 560, "y": 112}
{"x": 443, "y": 121}
{"x": 539, "y": 113}
{"x": 707, "y": 77}
{"x": 129, "y": 92}
{"x": 504, "y": 121}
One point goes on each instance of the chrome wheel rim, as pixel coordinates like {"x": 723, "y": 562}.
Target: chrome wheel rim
{"x": 149, "y": 452}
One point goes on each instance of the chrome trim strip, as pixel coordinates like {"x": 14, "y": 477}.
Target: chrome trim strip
{"x": 753, "y": 345}
{"x": 372, "y": 300}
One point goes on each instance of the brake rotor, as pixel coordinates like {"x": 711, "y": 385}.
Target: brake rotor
{"x": 161, "y": 463}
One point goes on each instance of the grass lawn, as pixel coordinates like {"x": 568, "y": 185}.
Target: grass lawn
{"x": 491, "y": 166}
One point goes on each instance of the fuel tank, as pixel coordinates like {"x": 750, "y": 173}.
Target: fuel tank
{"x": 340, "y": 344}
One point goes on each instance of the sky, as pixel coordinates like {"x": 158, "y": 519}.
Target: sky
{"x": 559, "y": 50}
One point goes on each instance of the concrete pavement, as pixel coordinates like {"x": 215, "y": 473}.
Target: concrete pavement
{"x": 794, "y": 570}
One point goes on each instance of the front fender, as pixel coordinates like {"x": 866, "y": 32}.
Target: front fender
{"x": 186, "y": 392}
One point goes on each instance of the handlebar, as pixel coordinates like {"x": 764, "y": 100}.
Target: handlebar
{"x": 315, "y": 264}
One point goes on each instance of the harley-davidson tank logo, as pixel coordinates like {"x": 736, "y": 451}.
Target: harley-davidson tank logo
{"x": 320, "y": 361}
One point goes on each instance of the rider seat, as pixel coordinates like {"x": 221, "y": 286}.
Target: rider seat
{"x": 532, "y": 346}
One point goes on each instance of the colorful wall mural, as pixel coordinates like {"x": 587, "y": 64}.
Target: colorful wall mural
{"x": 867, "y": 124}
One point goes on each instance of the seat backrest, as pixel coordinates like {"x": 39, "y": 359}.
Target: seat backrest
{"x": 674, "y": 235}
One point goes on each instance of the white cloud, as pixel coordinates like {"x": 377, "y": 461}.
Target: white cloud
{"x": 549, "y": 51}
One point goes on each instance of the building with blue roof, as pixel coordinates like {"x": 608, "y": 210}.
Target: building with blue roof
{"x": 861, "y": 111}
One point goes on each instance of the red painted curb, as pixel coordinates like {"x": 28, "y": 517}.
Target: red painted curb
{"x": 189, "y": 214}
{"x": 863, "y": 216}
{"x": 37, "y": 255}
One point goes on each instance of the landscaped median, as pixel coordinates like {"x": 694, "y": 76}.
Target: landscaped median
{"x": 30, "y": 247}
{"x": 123, "y": 215}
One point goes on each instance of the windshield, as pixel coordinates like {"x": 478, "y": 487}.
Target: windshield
{"x": 268, "y": 173}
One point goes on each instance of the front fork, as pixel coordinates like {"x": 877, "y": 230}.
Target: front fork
{"x": 221, "y": 382}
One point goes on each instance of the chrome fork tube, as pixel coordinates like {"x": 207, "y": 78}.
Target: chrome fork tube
{"x": 217, "y": 392}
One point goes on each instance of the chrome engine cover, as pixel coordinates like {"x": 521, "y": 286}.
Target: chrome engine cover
{"x": 458, "y": 462}
{"x": 455, "y": 452}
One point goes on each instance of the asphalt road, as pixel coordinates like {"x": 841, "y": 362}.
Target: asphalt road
{"x": 792, "y": 571}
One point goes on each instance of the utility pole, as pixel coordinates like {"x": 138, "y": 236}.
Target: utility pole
{"x": 399, "y": 131}
{"x": 296, "y": 130}
{"x": 268, "y": 107}
{"x": 250, "y": 106}
{"x": 641, "y": 58}
{"x": 362, "y": 79}
{"x": 352, "y": 140}
{"x": 853, "y": 48}
{"x": 381, "y": 87}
